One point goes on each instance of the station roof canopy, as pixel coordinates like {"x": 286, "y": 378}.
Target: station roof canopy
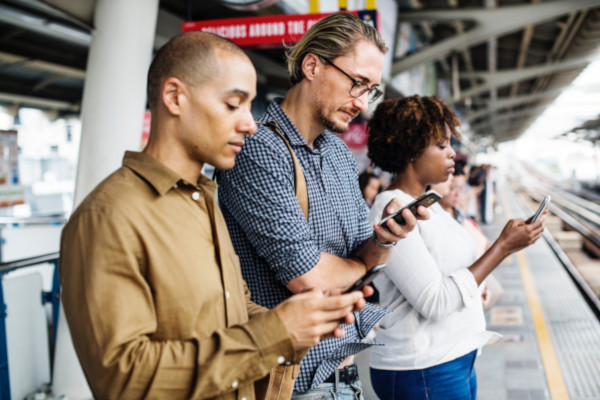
{"x": 505, "y": 60}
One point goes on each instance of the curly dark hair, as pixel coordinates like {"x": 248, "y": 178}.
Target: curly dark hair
{"x": 401, "y": 129}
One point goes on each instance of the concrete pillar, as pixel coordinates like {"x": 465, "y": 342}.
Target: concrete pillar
{"x": 114, "y": 99}
{"x": 114, "y": 94}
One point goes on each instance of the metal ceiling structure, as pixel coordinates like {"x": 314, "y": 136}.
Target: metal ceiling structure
{"x": 589, "y": 131}
{"x": 508, "y": 59}
{"x": 505, "y": 60}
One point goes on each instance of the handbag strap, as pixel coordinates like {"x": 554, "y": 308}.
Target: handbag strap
{"x": 299, "y": 178}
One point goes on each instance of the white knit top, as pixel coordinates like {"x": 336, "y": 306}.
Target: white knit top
{"x": 437, "y": 314}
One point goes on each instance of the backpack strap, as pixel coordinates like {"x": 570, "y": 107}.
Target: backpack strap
{"x": 299, "y": 178}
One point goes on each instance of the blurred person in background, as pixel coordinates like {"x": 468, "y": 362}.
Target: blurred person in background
{"x": 370, "y": 186}
{"x": 452, "y": 192}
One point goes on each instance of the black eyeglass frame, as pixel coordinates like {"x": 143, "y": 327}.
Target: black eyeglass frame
{"x": 357, "y": 84}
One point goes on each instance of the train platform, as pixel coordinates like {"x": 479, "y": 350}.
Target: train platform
{"x": 551, "y": 337}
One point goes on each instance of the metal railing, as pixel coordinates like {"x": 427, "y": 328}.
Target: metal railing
{"x": 47, "y": 220}
{"x": 52, "y": 297}
{"x": 9, "y": 223}
{"x": 580, "y": 214}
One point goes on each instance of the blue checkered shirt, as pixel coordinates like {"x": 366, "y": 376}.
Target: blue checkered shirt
{"x": 274, "y": 241}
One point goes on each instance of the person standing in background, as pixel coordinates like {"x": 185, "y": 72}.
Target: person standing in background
{"x": 370, "y": 186}
{"x": 452, "y": 192}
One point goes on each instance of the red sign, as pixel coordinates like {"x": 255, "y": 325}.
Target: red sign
{"x": 268, "y": 30}
{"x": 356, "y": 136}
{"x": 146, "y": 128}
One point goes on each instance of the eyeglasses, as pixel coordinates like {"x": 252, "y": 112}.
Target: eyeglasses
{"x": 358, "y": 87}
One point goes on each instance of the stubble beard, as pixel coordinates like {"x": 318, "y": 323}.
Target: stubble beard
{"x": 330, "y": 125}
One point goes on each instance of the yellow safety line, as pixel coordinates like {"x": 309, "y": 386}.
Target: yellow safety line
{"x": 554, "y": 377}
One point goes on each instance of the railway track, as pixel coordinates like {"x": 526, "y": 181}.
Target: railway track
{"x": 578, "y": 211}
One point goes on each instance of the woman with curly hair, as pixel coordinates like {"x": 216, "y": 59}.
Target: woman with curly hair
{"x": 431, "y": 282}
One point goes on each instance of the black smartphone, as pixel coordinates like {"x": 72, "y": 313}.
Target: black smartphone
{"x": 368, "y": 278}
{"x": 539, "y": 211}
{"x": 430, "y": 197}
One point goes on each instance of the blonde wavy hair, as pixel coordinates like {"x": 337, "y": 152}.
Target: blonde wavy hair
{"x": 331, "y": 37}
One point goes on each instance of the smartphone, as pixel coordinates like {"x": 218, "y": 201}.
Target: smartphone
{"x": 368, "y": 278}
{"x": 427, "y": 199}
{"x": 539, "y": 211}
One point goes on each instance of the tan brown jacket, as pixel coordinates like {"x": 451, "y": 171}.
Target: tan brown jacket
{"x": 153, "y": 293}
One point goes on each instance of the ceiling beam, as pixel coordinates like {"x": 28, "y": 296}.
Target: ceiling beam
{"x": 44, "y": 26}
{"x": 517, "y": 113}
{"x": 506, "y": 77}
{"x": 82, "y": 10}
{"x": 506, "y": 102}
{"x": 501, "y": 122}
{"x": 511, "y": 121}
{"x": 43, "y": 65}
{"x": 38, "y": 102}
{"x": 490, "y": 23}
{"x": 523, "y": 50}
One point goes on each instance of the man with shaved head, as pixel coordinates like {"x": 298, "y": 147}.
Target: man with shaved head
{"x": 151, "y": 285}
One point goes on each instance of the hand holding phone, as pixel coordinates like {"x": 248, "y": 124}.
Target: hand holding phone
{"x": 368, "y": 278}
{"x": 539, "y": 211}
{"x": 425, "y": 200}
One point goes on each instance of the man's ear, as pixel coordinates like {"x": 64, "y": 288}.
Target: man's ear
{"x": 172, "y": 95}
{"x": 311, "y": 65}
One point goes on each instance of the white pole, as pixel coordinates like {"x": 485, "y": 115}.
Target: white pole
{"x": 114, "y": 99}
{"x": 114, "y": 95}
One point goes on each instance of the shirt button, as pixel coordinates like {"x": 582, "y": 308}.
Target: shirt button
{"x": 234, "y": 384}
{"x": 280, "y": 360}
{"x": 227, "y": 294}
{"x": 195, "y": 195}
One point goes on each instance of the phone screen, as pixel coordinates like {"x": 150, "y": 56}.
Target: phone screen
{"x": 425, "y": 200}
{"x": 368, "y": 278}
{"x": 539, "y": 211}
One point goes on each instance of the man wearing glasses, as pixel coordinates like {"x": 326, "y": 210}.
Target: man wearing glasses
{"x": 335, "y": 71}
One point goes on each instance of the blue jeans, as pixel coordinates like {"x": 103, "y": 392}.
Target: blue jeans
{"x": 328, "y": 391}
{"x": 454, "y": 380}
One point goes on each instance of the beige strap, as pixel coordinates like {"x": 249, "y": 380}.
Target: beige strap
{"x": 299, "y": 178}
{"x": 279, "y": 384}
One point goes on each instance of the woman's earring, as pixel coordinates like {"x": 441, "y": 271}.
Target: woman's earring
{"x": 412, "y": 160}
